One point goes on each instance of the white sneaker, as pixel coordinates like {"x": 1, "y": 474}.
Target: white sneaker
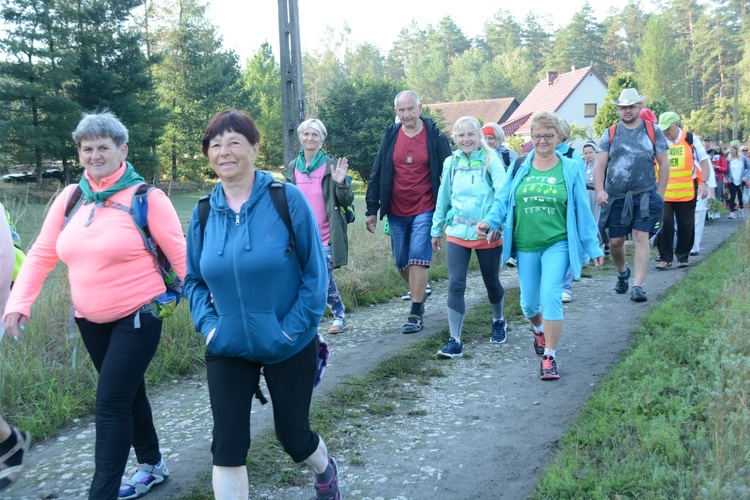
{"x": 731, "y": 216}
{"x": 566, "y": 297}
{"x": 407, "y": 296}
{"x": 338, "y": 325}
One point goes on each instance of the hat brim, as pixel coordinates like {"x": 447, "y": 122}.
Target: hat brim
{"x": 627, "y": 102}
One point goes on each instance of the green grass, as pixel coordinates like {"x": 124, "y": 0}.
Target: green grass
{"x": 671, "y": 419}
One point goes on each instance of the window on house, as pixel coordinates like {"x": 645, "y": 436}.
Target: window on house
{"x": 589, "y": 110}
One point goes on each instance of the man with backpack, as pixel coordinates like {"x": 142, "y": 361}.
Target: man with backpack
{"x": 627, "y": 189}
{"x": 680, "y": 197}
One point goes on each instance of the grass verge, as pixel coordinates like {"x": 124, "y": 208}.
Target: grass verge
{"x": 671, "y": 420}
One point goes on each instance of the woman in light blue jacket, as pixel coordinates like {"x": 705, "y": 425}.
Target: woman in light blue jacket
{"x": 550, "y": 228}
{"x": 470, "y": 177}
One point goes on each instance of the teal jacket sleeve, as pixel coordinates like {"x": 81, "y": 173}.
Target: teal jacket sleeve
{"x": 194, "y": 287}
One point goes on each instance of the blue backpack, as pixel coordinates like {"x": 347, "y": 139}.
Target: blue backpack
{"x": 165, "y": 304}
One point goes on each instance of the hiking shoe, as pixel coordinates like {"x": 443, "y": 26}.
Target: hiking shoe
{"x": 567, "y": 296}
{"x": 539, "y": 343}
{"x": 549, "y": 369}
{"x": 662, "y": 265}
{"x": 638, "y": 295}
{"x": 13, "y": 461}
{"x": 413, "y": 324}
{"x": 452, "y": 349}
{"x": 141, "y": 483}
{"x": 338, "y": 325}
{"x": 498, "y": 331}
{"x": 511, "y": 262}
{"x": 622, "y": 282}
{"x": 329, "y": 490}
{"x": 407, "y": 296}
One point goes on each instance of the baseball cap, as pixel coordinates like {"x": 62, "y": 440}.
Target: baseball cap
{"x": 667, "y": 119}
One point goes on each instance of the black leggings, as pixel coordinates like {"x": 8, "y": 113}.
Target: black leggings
{"x": 735, "y": 192}
{"x": 457, "y": 258}
{"x": 232, "y": 383}
{"x": 121, "y": 353}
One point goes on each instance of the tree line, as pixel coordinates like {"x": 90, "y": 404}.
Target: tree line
{"x": 162, "y": 68}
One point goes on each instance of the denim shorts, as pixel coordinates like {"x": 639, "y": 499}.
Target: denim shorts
{"x": 648, "y": 223}
{"x": 410, "y": 239}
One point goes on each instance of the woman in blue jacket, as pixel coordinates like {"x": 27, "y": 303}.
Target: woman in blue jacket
{"x": 257, "y": 300}
{"x": 544, "y": 211}
{"x": 469, "y": 180}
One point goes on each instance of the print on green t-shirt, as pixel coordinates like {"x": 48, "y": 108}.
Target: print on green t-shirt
{"x": 541, "y": 200}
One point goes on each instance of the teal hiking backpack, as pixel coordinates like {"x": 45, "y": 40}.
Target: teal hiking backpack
{"x": 165, "y": 304}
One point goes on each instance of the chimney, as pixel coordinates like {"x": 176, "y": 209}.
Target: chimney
{"x": 574, "y": 68}
{"x": 551, "y": 77}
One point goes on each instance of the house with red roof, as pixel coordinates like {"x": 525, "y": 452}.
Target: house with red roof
{"x": 575, "y": 96}
{"x": 485, "y": 110}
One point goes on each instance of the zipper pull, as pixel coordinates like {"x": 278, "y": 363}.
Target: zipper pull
{"x": 237, "y": 219}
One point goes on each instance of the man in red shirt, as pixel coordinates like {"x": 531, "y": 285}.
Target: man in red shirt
{"x": 403, "y": 185}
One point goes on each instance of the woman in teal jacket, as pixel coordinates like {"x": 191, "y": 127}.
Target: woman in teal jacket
{"x": 471, "y": 175}
{"x": 550, "y": 229}
{"x": 257, "y": 299}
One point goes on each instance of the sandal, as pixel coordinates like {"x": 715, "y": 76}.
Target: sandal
{"x": 683, "y": 265}
{"x": 413, "y": 324}
{"x": 130, "y": 488}
{"x": 662, "y": 265}
{"x": 13, "y": 462}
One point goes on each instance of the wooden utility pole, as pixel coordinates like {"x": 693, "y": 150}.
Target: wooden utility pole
{"x": 292, "y": 95}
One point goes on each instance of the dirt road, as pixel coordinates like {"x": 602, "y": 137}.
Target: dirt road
{"x": 484, "y": 431}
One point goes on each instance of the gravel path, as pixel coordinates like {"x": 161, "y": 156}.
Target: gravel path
{"x": 484, "y": 431}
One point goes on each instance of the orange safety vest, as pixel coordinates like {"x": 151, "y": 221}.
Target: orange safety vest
{"x": 681, "y": 185}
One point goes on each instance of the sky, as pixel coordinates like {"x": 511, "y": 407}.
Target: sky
{"x": 246, "y": 24}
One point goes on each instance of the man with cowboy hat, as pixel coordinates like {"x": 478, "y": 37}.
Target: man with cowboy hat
{"x": 627, "y": 189}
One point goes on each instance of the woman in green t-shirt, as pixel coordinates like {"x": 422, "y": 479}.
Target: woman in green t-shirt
{"x": 545, "y": 216}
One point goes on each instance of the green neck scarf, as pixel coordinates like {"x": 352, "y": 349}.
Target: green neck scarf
{"x": 129, "y": 178}
{"x": 318, "y": 160}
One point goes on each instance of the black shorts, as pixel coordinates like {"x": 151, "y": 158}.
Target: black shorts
{"x": 650, "y": 222}
{"x": 232, "y": 383}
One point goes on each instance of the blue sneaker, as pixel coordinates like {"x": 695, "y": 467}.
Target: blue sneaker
{"x": 452, "y": 349}
{"x": 498, "y": 331}
{"x": 329, "y": 490}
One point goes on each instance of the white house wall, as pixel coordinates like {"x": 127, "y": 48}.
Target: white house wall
{"x": 590, "y": 90}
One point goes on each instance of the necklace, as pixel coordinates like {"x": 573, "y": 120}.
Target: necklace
{"x": 544, "y": 163}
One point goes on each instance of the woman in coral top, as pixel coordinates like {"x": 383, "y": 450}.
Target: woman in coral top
{"x": 113, "y": 285}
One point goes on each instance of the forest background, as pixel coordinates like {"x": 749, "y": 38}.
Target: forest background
{"x": 163, "y": 69}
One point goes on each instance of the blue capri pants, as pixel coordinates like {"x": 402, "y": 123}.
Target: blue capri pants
{"x": 541, "y": 276}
